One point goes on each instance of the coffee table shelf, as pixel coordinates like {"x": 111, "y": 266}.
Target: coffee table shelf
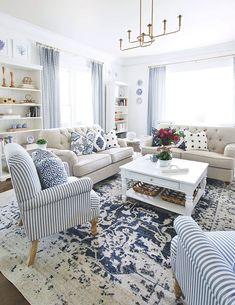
{"x": 160, "y": 203}
{"x": 142, "y": 169}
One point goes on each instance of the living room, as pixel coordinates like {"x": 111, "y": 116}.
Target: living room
{"x": 117, "y": 148}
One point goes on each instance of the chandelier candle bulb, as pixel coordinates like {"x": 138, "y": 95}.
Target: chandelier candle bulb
{"x": 129, "y": 35}
{"x": 164, "y": 25}
{"x": 180, "y": 18}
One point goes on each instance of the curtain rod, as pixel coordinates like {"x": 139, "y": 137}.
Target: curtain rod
{"x": 61, "y": 50}
{"x": 191, "y": 60}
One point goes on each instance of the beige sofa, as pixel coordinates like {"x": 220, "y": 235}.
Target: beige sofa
{"x": 220, "y": 154}
{"x": 97, "y": 166}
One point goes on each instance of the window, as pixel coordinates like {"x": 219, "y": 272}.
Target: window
{"x": 75, "y": 92}
{"x": 200, "y": 93}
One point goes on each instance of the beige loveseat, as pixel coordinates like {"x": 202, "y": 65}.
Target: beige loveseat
{"x": 97, "y": 166}
{"x": 220, "y": 154}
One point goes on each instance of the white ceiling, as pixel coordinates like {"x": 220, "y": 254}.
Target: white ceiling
{"x": 100, "y": 23}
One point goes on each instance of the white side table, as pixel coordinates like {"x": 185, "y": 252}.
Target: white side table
{"x": 133, "y": 143}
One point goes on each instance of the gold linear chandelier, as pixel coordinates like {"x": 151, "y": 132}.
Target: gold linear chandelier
{"x": 147, "y": 39}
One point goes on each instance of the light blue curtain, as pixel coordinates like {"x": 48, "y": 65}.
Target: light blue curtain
{"x": 49, "y": 59}
{"x": 156, "y": 96}
{"x": 97, "y": 87}
{"x": 234, "y": 90}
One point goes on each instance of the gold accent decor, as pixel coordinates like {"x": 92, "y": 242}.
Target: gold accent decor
{"x": 146, "y": 39}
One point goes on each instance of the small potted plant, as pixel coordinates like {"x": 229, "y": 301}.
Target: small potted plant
{"x": 164, "y": 156}
{"x": 42, "y": 143}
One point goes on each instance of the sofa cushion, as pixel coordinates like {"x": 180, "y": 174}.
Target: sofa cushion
{"x": 111, "y": 139}
{"x": 51, "y": 172}
{"x": 118, "y": 154}
{"x": 153, "y": 150}
{"x": 195, "y": 140}
{"x": 82, "y": 145}
{"x": 99, "y": 142}
{"x": 214, "y": 159}
{"x": 89, "y": 163}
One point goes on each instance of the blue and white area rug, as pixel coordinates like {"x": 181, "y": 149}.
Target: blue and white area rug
{"x": 128, "y": 263}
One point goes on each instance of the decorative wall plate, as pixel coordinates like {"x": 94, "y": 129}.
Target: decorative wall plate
{"x": 139, "y": 91}
{"x": 30, "y": 139}
{"x": 139, "y": 82}
{"x": 139, "y": 100}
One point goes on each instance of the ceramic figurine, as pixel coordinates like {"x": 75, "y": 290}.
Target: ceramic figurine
{"x": 12, "y": 80}
{"x": 3, "y": 77}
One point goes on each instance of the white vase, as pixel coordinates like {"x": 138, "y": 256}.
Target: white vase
{"x": 42, "y": 146}
{"x": 164, "y": 163}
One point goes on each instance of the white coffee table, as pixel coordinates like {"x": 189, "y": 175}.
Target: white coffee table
{"x": 144, "y": 170}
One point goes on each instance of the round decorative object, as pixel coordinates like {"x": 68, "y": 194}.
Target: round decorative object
{"x": 24, "y": 125}
{"x": 139, "y": 100}
{"x": 19, "y": 125}
{"x": 139, "y": 91}
{"x": 140, "y": 82}
{"x": 30, "y": 139}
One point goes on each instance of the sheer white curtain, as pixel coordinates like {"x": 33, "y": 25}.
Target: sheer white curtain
{"x": 156, "y": 96}
{"x": 75, "y": 91}
{"x": 200, "y": 93}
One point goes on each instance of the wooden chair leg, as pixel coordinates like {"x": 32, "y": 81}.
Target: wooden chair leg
{"x": 20, "y": 223}
{"x": 178, "y": 291}
{"x": 32, "y": 252}
{"x": 93, "y": 226}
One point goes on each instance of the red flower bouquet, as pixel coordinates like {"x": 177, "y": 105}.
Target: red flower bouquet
{"x": 165, "y": 137}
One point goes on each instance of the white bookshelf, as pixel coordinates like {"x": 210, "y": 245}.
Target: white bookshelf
{"x": 117, "y": 108}
{"x": 21, "y": 109}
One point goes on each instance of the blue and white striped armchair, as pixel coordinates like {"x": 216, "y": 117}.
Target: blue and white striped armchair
{"x": 203, "y": 264}
{"x": 46, "y": 212}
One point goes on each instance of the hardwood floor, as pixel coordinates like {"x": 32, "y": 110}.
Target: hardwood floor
{"x": 9, "y": 294}
{"x": 5, "y": 186}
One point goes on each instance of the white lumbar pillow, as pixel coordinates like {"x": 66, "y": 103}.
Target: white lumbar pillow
{"x": 111, "y": 139}
{"x": 195, "y": 141}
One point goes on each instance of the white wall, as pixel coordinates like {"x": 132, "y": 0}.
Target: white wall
{"x": 137, "y": 117}
{"x": 13, "y": 28}
{"x": 137, "y": 68}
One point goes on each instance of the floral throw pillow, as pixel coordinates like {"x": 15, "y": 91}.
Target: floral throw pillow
{"x": 99, "y": 142}
{"x": 111, "y": 140}
{"x": 82, "y": 145}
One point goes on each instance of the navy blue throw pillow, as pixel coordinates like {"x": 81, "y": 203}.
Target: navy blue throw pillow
{"x": 51, "y": 172}
{"x": 156, "y": 139}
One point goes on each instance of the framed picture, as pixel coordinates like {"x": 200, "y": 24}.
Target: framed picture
{"x": 20, "y": 49}
{"x": 4, "y": 46}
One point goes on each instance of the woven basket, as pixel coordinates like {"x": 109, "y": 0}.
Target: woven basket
{"x": 147, "y": 189}
{"x": 175, "y": 197}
